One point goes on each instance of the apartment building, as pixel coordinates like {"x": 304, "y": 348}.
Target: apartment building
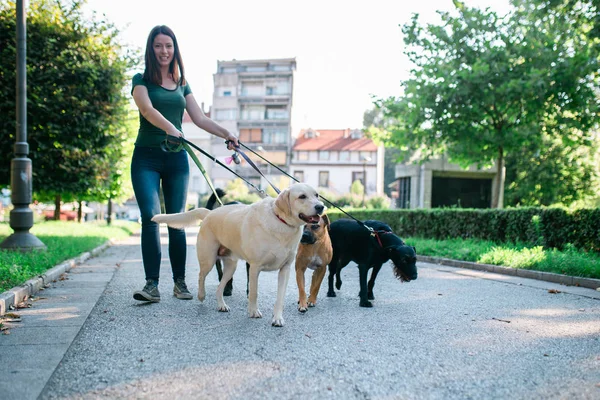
{"x": 253, "y": 100}
{"x": 335, "y": 158}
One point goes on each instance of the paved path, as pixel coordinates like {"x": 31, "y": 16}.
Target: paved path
{"x": 451, "y": 334}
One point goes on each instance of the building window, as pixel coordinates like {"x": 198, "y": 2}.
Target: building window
{"x": 280, "y": 67}
{"x": 228, "y": 70}
{"x": 278, "y": 89}
{"x": 252, "y": 89}
{"x": 364, "y": 156}
{"x": 323, "y": 155}
{"x": 358, "y": 176}
{"x": 275, "y": 135}
{"x": 226, "y": 91}
{"x": 324, "y": 179}
{"x": 299, "y": 175}
{"x": 253, "y": 135}
{"x": 303, "y": 156}
{"x": 249, "y": 113}
{"x": 356, "y": 134}
{"x": 256, "y": 68}
{"x": 344, "y": 156}
{"x": 403, "y": 200}
{"x": 228, "y": 114}
{"x": 277, "y": 113}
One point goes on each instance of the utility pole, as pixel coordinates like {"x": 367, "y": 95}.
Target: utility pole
{"x": 21, "y": 216}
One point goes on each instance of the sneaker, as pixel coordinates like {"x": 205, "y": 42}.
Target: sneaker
{"x": 180, "y": 290}
{"x": 149, "y": 292}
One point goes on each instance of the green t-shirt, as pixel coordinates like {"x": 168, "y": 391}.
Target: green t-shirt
{"x": 170, "y": 103}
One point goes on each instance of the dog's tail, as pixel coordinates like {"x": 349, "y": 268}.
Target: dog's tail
{"x": 181, "y": 220}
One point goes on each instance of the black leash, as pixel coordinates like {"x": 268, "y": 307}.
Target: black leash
{"x": 177, "y": 143}
{"x": 373, "y": 232}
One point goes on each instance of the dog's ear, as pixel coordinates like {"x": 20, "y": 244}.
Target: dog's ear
{"x": 283, "y": 202}
{"x": 326, "y": 221}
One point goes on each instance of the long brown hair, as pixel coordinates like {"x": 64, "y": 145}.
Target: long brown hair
{"x": 152, "y": 71}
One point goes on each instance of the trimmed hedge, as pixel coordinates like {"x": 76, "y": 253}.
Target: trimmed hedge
{"x": 548, "y": 227}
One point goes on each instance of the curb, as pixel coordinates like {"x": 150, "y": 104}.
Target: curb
{"x": 18, "y": 294}
{"x": 567, "y": 280}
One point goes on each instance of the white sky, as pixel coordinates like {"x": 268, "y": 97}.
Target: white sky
{"x": 345, "y": 50}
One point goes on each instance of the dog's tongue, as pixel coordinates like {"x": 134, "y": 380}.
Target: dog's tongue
{"x": 310, "y": 219}
{"x": 314, "y": 219}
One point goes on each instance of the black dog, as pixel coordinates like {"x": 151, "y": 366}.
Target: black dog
{"x": 210, "y": 204}
{"x": 354, "y": 242}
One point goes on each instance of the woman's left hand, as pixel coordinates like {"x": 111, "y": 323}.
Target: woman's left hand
{"x": 232, "y": 142}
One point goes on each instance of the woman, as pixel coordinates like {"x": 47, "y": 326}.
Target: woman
{"x": 161, "y": 95}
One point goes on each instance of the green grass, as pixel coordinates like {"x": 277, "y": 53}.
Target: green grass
{"x": 64, "y": 240}
{"x": 569, "y": 262}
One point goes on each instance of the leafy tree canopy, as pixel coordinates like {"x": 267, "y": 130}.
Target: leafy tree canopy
{"x": 485, "y": 87}
{"x": 77, "y": 109}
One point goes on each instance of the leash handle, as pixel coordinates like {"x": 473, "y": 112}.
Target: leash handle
{"x": 172, "y": 144}
{"x": 251, "y": 163}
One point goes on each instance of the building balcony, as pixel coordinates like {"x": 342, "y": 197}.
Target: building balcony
{"x": 262, "y": 123}
{"x": 273, "y": 99}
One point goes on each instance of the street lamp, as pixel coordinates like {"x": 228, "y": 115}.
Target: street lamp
{"x": 21, "y": 216}
{"x": 365, "y": 160}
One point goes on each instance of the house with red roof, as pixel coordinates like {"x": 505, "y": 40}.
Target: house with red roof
{"x": 334, "y": 158}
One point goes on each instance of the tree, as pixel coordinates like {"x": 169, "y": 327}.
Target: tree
{"x": 373, "y": 119}
{"x": 77, "y": 106}
{"x": 484, "y": 87}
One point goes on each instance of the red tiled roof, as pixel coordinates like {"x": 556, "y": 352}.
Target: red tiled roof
{"x": 333, "y": 140}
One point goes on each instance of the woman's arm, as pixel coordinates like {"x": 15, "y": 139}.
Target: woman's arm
{"x": 203, "y": 122}
{"x": 142, "y": 100}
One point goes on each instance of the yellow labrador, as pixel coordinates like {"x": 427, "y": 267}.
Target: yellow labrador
{"x": 266, "y": 234}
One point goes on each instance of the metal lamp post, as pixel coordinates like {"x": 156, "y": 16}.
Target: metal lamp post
{"x": 21, "y": 216}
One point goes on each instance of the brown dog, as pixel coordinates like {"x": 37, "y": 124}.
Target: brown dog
{"x": 314, "y": 252}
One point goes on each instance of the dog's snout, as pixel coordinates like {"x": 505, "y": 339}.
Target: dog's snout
{"x": 308, "y": 237}
{"x": 319, "y": 208}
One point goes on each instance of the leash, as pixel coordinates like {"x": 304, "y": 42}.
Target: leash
{"x": 251, "y": 163}
{"x": 178, "y": 143}
{"x": 372, "y": 232}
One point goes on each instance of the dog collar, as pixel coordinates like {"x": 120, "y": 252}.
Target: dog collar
{"x": 281, "y": 219}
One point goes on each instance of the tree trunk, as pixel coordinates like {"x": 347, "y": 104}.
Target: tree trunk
{"x": 109, "y": 212}
{"x": 499, "y": 179}
{"x": 79, "y": 211}
{"x": 57, "y": 207}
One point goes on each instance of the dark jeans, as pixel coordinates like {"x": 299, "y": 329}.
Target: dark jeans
{"x": 150, "y": 167}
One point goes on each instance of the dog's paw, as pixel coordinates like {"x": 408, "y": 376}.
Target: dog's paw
{"x": 302, "y": 309}
{"x": 370, "y": 296}
{"x": 311, "y": 304}
{"x": 227, "y": 292}
{"x": 331, "y": 293}
{"x": 255, "y": 313}
{"x": 201, "y": 297}
{"x": 366, "y": 303}
{"x": 278, "y": 322}
{"x": 224, "y": 308}
{"x": 338, "y": 284}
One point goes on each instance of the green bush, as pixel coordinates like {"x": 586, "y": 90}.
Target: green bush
{"x": 552, "y": 228}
